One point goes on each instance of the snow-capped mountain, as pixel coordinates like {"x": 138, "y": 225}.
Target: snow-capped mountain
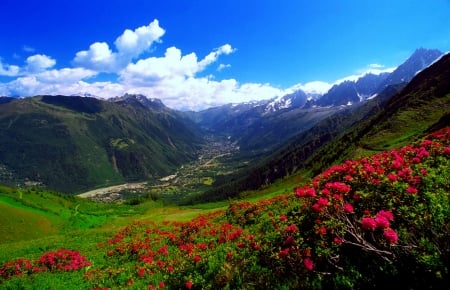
{"x": 366, "y": 87}
{"x": 294, "y": 100}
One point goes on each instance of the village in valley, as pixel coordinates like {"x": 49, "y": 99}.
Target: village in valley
{"x": 214, "y": 158}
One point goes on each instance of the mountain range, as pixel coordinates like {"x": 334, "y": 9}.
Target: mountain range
{"x": 72, "y": 143}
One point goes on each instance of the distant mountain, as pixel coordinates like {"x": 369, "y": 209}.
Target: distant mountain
{"x": 418, "y": 61}
{"x": 297, "y": 99}
{"x": 351, "y": 92}
{"x": 260, "y": 127}
{"x": 71, "y": 144}
{"x": 396, "y": 116}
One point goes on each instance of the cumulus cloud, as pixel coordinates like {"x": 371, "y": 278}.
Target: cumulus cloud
{"x": 130, "y": 44}
{"x": 173, "y": 65}
{"x": 8, "y": 70}
{"x": 98, "y": 57}
{"x": 314, "y": 87}
{"x": 39, "y": 62}
{"x": 173, "y": 77}
{"x": 55, "y": 81}
{"x": 133, "y": 43}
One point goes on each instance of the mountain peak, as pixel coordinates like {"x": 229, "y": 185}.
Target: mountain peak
{"x": 151, "y": 103}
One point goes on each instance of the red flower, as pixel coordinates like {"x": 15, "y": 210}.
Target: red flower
{"x": 197, "y": 258}
{"x": 337, "y": 241}
{"x": 392, "y": 177}
{"x": 411, "y": 190}
{"x": 141, "y": 272}
{"x": 309, "y": 264}
{"x": 283, "y": 253}
{"x": 322, "y": 231}
{"x": 381, "y": 222}
{"x": 348, "y": 208}
{"x": 162, "y": 284}
{"x": 291, "y": 228}
{"x": 283, "y": 218}
{"x": 189, "y": 284}
{"x": 305, "y": 191}
{"x": 447, "y": 150}
{"x": 368, "y": 223}
{"x": 391, "y": 236}
{"x": 386, "y": 214}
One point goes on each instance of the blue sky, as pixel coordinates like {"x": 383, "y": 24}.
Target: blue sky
{"x": 196, "y": 54}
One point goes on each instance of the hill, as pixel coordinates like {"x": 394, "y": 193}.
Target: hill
{"x": 71, "y": 144}
{"x": 367, "y": 223}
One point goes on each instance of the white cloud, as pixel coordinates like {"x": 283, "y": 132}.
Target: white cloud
{"x": 172, "y": 77}
{"x": 375, "y": 69}
{"x": 376, "y": 65}
{"x": 173, "y": 65}
{"x": 130, "y": 44}
{"x": 28, "y": 48}
{"x": 64, "y": 75}
{"x": 98, "y": 57}
{"x": 39, "y": 62}
{"x": 314, "y": 87}
{"x": 8, "y": 70}
{"x": 54, "y": 81}
{"x": 223, "y": 66}
{"x": 133, "y": 43}
{"x": 213, "y": 56}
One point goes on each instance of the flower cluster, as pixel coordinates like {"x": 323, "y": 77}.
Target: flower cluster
{"x": 59, "y": 261}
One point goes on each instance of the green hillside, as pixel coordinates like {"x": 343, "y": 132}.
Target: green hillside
{"x": 72, "y": 144}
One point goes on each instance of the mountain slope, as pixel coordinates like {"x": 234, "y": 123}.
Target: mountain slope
{"x": 72, "y": 144}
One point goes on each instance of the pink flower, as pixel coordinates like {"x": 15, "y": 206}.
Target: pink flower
{"x": 411, "y": 190}
{"x": 322, "y": 231}
{"x": 392, "y": 177}
{"x": 162, "y": 284}
{"x": 386, "y": 214}
{"x": 381, "y": 222}
{"x": 348, "y": 208}
{"x": 305, "y": 191}
{"x": 337, "y": 241}
{"x": 447, "y": 150}
{"x": 283, "y": 253}
{"x": 390, "y": 235}
{"x": 368, "y": 223}
{"x": 291, "y": 228}
{"x": 309, "y": 264}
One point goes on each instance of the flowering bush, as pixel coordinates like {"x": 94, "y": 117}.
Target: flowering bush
{"x": 59, "y": 261}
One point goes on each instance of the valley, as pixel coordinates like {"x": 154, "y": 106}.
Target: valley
{"x": 215, "y": 157}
